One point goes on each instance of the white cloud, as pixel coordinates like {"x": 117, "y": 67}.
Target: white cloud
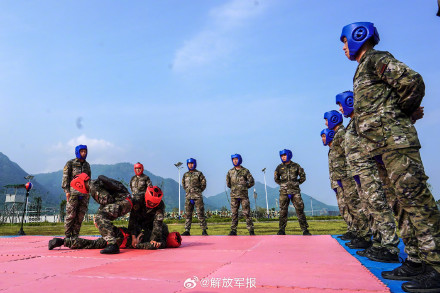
{"x": 220, "y": 35}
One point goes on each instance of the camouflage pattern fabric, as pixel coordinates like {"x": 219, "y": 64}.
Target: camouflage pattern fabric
{"x": 246, "y": 210}
{"x": 121, "y": 234}
{"x": 145, "y": 241}
{"x": 194, "y": 183}
{"x": 147, "y": 219}
{"x": 108, "y": 213}
{"x": 239, "y": 181}
{"x": 189, "y": 208}
{"x": 78, "y": 203}
{"x": 139, "y": 184}
{"x": 289, "y": 176}
{"x": 299, "y": 208}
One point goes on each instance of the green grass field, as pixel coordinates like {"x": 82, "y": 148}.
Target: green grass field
{"x": 317, "y": 227}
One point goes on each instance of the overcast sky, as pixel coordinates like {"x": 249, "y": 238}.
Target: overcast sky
{"x": 162, "y": 81}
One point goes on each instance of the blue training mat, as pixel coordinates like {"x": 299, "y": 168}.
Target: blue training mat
{"x": 377, "y": 267}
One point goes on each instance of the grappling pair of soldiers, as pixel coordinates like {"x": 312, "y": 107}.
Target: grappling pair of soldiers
{"x": 146, "y": 229}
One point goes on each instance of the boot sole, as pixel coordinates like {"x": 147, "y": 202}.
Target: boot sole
{"x": 435, "y": 290}
{"x": 381, "y": 260}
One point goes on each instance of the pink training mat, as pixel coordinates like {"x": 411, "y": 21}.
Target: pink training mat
{"x": 202, "y": 264}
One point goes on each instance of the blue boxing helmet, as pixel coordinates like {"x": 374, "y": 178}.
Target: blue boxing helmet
{"x": 346, "y": 100}
{"x": 357, "y": 34}
{"x": 333, "y": 118}
{"x": 329, "y": 134}
{"x": 78, "y": 149}
{"x": 288, "y": 153}
{"x": 240, "y": 160}
{"x": 191, "y": 160}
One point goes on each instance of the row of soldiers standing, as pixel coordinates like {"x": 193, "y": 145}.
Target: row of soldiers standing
{"x": 375, "y": 164}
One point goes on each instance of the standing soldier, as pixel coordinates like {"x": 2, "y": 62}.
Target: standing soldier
{"x": 239, "y": 180}
{"x": 194, "y": 183}
{"x": 114, "y": 200}
{"x": 138, "y": 185}
{"x": 387, "y": 102}
{"x": 286, "y": 176}
{"x": 77, "y": 203}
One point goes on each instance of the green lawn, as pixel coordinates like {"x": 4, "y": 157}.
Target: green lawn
{"x": 317, "y": 227}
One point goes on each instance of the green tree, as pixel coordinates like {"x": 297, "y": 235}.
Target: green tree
{"x": 63, "y": 209}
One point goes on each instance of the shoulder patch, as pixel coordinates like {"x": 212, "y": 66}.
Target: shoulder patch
{"x": 383, "y": 68}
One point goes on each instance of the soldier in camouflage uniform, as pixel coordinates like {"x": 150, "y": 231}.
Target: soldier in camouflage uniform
{"x": 286, "y": 175}
{"x": 138, "y": 185}
{"x": 340, "y": 172}
{"x": 115, "y": 201}
{"x": 77, "y": 203}
{"x": 239, "y": 180}
{"x": 149, "y": 218}
{"x": 387, "y": 102}
{"x": 194, "y": 183}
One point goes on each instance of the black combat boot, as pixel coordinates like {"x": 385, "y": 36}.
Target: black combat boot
{"x": 186, "y": 233}
{"x": 365, "y": 251}
{"x": 232, "y": 233}
{"x": 382, "y": 254}
{"x": 406, "y": 272}
{"x": 110, "y": 249}
{"x": 251, "y": 232}
{"x": 281, "y": 232}
{"x": 429, "y": 281}
{"x": 204, "y": 233}
{"x": 347, "y": 236}
{"x": 359, "y": 243}
{"x": 306, "y": 232}
{"x": 56, "y": 242}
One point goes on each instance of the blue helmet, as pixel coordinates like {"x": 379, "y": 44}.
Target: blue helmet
{"x": 191, "y": 160}
{"x": 240, "y": 160}
{"x": 288, "y": 153}
{"x": 347, "y": 102}
{"x": 329, "y": 134}
{"x": 78, "y": 148}
{"x": 357, "y": 34}
{"x": 333, "y": 118}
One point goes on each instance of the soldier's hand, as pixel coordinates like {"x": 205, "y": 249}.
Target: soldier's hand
{"x": 417, "y": 114}
{"x": 134, "y": 240}
{"x": 67, "y": 196}
{"x": 155, "y": 244}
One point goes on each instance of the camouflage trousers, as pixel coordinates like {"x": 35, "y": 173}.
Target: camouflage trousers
{"x": 344, "y": 211}
{"x": 354, "y": 207}
{"x": 200, "y": 208}
{"x": 76, "y": 208}
{"x": 299, "y": 208}
{"x": 418, "y": 214}
{"x": 81, "y": 243}
{"x": 246, "y": 210}
{"x": 145, "y": 241}
{"x": 373, "y": 198}
{"x": 108, "y": 213}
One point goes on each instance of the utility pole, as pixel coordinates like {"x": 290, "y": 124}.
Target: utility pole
{"x": 179, "y": 167}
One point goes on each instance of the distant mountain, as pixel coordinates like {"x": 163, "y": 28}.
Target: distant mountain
{"x": 11, "y": 174}
{"x": 221, "y": 200}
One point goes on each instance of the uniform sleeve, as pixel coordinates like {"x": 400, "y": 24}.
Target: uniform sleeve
{"x": 149, "y": 183}
{"x": 156, "y": 234}
{"x": 276, "y": 177}
{"x": 228, "y": 180}
{"x": 131, "y": 184}
{"x": 408, "y": 84}
{"x": 302, "y": 175}
{"x": 67, "y": 173}
{"x": 183, "y": 181}
{"x": 250, "y": 180}
{"x": 202, "y": 181}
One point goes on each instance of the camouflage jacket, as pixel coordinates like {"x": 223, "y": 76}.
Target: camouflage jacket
{"x": 104, "y": 195}
{"x": 145, "y": 219}
{"x": 337, "y": 161}
{"x": 239, "y": 181}
{"x": 386, "y": 93}
{"x": 286, "y": 175}
{"x": 354, "y": 150}
{"x": 139, "y": 184}
{"x": 194, "y": 182}
{"x": 72, "y": 168}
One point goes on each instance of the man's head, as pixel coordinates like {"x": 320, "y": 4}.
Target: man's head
{"x": 346, "y": 103}
{"x": 81, "y": 183}
{"x": 327, "y": 136}
{"x": 356, "y": 35}
{"x": 236, "y": 160}
{"x": 138, "y": 169}
{"x": 285, "y": 155}
{"x": 191, "y": 164}
{"x": 81, "y": 152}
{"x": 332, "y": 119}
{"x": 153, "y": 196}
